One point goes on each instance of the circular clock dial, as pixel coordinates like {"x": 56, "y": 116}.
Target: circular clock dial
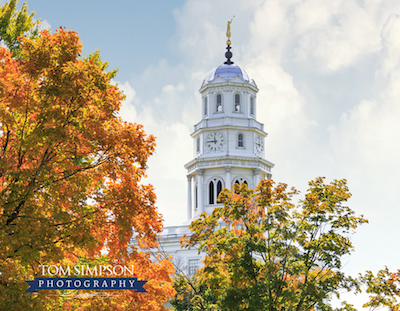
{"x": 259, "y": 145}
{"x": 215, "y": 141}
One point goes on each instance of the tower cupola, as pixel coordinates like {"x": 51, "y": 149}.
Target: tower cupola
{"x": 228, "y": 140}
{"x": 226, "y": 71}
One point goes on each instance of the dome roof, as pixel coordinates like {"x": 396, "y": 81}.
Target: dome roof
{"x": 226, "y": 71}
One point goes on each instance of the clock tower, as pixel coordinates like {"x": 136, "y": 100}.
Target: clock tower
{"x": 228, "y": 148}
{"x": 228, "y": 142}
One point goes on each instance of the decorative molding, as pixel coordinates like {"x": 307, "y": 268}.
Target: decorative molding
{"x": 208, "y": 128}
{"x": 233, "y": 161}
{"x": 256, "y": 170}
{"x": 228, "y": 83}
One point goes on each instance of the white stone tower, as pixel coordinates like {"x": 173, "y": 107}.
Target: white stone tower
{"x": 228, "y": 148}
{"x": 228, "y": 141}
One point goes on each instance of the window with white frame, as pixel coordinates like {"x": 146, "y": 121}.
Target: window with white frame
{"x": 237, "y": 103}
{"x": 205, "y": 106}
{"x": 219, "y": 103}
{"x": 214, "y": 188}
{"x": 193, "y": 266}
{"x": 252, "y": 106}
{"x": 240, "y": 140}
{"x": 198, "y": 144}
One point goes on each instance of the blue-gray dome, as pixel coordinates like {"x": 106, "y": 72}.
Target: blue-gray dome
{"x": 228, "y": 72}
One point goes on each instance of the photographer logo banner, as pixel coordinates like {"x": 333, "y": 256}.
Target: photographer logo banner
{"x": 86, "y": 283}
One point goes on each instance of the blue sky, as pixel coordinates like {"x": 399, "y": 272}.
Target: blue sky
{"x": 329, "y": 80}
{"x": 129, "y": 34}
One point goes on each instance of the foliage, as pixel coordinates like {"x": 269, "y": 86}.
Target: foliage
{"x": 383, "y": 289}
{"x": 70, "y": 175}
{"x": 14, "y": 24}
{"x": 191, "y": 295}
{"x": 265, "y": 253}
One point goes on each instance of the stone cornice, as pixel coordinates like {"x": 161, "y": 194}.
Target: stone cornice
{"x": 229, "y": 127}
{"x": 229, "y": 122}
{"x": 232, "y": 161}
{"x": 236, "y": 82}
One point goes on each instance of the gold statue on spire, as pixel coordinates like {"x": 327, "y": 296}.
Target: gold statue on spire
{"x": 228, "y": 31}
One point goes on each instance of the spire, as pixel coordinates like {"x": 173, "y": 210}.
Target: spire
{"x": 228, "y": 53}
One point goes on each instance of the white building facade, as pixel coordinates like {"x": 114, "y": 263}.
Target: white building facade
{"x": 228, "y": 148}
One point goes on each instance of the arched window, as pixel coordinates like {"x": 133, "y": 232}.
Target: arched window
{"x": 252, "y": 106}
{"x": 237, "y": 102}
{"x": 205, "y": 106}
{"x": 211, "y": 193}
{"x": 198, "y": 144}
{"x": 219, "y": 103}
{"x": 241, "y": 180}
{"x": 219, "y": 187}
{"x": 240, "y": 140}
{"x": 214, "y": 188}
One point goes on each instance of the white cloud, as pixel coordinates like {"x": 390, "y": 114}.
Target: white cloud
{"x": 166, "y": 172}
{"x": 279, "y": 103}
{"x": 174, "y": 149}
{"x": 44, "y": 24}
{"x": 334, "y": 34}
{"x": 330, "y": 35}
{"x": 367, "y": 138}
{"x": 174, "y": 145}
{"x": 328, "y": 74}
{"x": 128, "y": 110}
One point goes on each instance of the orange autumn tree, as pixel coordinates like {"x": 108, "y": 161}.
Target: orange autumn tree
{"x": 70, "y": 175}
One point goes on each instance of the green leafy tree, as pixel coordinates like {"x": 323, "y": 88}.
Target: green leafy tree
{"x": 16, "y": 24}
{"x": 192, "y": 295}
{"x": 263, "y": 252}
{"x": 383, "y": 289}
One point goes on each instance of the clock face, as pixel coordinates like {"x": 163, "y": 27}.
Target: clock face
{"x": 258, "y": 145}
{"x": 215, "y": 142}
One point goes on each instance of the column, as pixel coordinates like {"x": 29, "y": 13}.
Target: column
{"x": 189, "y": 197}
{"x": 256, "y": 172}
{"x": 201, "y": 191}
{"x": 228, "y": 183}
